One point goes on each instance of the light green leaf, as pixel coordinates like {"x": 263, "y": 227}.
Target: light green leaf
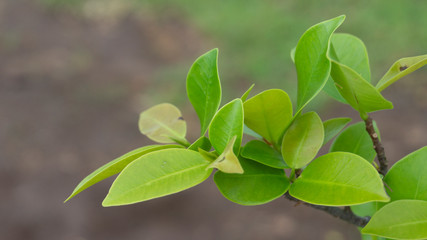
{"x": 258, "y": 184}
{"x": 250, "y": 132}
{"x": 227, "y": 123}
{"x": 292, "y": 53}
{"x": 163, "y": 123}
{"x": 209, "y": 156}
{"x": 302, "y": 140}
{"x": 266, "y": 117}
{"x": 355, "y": 139}
{"x": 261, "y": 152}
{"x": 402, "y": 219}
{"x": 203, "y": 143}
{"x": 339, "y": 179}
{"x": 333, "y": 126}
{"x": 157, "y": 174}
{"x": 246, "y": 94}
{"x": 366, "y": 209}
{"x": 313, "y": 66}
{"x": 115, "y": 166}
{"x": 400, "y": 69}
{"x": 204, "y": 88}
{"x": 407, "y": 179}
{"x": 227, "y": 162}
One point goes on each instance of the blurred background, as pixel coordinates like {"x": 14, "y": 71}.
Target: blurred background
{"x": 75, "y": 74}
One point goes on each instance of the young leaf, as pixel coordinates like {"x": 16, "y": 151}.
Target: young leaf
{"x": 339, "y": 179}
{"x": 403, "y": 219}
{"x": 261, "y": 152}
{"x": 227, "y": 123}
{"x": 258, "y": 184}
{"x": 163, "y": 123}
{"x": 227, "y": 162}
{"x": 157, "y": 174}
{"x": 355, "y": 139}
{"x": 400, "y": 69}
{"x": 313, "y": 66}
{"x": 246, "y": 94}
{"x": 407, "y": 179}
{"x": 204, "y": 88}
{"x": 302, "y": 140}
{"x": 203, "y": 143}
{"x": 115, "y": 166}
{"x": 266, "y": 117}
{"x": 333, "y": 126}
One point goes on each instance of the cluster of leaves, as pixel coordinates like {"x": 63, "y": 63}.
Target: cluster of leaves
{"x": 282, "y": 139}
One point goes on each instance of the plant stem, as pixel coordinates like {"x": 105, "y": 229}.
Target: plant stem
{"x": 377, "y": 146}
{"x": 344, "y": 214}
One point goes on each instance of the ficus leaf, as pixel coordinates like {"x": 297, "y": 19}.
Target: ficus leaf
{"x": 227, "y": 162}
{"x": 115, "y": 166}
{"x": 266, "y": 117}
{"x": 203, "y": 143}
{"x": 163, "y": 123}
{"x": 157, "y": 174}
{"x": 302, "y": 140}
{"x": 402, "y": 219}
{"x": 339, "y": 179}
{"x": 407, "y": 179}
{"x": 401, "y": 68}
{"x": 246, "y": 94}
{"x": 250, "y": 132}
{"x": 333, "y": 126}
{"x": 312, "y": 65}
{"x": 258, "y": 184}
{"x": 226, "y": 124}
{"x": 261, "y": 152}
{"x": 204, "y": 88}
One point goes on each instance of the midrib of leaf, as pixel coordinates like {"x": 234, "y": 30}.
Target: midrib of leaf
{"x": 321, "y": 182}
{"x": 407, "y": 224}
{"x": 301, "y": 142}
{"x": 270, "y": 134}
{"x": 165, "y": 126}
{"x": 254, "y": 175}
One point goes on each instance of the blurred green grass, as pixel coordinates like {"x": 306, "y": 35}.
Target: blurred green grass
{"x": 255, "y": 37}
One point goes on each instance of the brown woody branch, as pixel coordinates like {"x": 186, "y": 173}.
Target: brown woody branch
{"x": 344, "y": 214}
{"x": 383, "y": 168}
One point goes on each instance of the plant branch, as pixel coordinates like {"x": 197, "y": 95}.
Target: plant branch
{"x": 377, "y": 146}
{"x": 344, "y": 214}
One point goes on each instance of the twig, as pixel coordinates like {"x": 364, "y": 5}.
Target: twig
{"x": 377, "y": 146}
{"x": 344, "y": 214}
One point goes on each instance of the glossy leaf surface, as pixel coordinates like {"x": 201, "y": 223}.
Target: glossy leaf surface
{"x": 355, "y": 139}
{"x": 227, "y": 123}
{"x": 302, "y": 140}
{"x": 204, "y": 88}
{"x": 266, "y": 117}
{"x": 401, "y": 68}
{"x": 258, "y": 184}
{"x": 403, "y": 219}
{"x": 333, "y": 126}
{"x": 339, "y": 179}
{"x": 227, "y": 162}
{"x": 116, "y": 166}
{"x": 407, "y": 179}
{"x": 261, "y": 152}
{"x": 162, "y": 123}
{"x": 312, "y": 65}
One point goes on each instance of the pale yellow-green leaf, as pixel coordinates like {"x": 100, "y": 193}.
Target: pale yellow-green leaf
{"x": 228, "y": 162}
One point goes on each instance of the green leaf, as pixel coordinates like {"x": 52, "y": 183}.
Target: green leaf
{"x": 292, "y": 53}
{"x": 227, "y": 162}
{"x": 400, "y": 69}
{"x": 158, "y": 174}
{"x": 261, "y": 152}
{"x": 203, "y": 143}
{"x": 258, "y": 184}
{"x": 407, "y": 179}
{"x": 204, "y": 88}
{"x": 313, "y": 66}
{"x": 366, "y": 209}
{"x": 302, "y": 140}
{"x": 351, "y": 51}
{"x": 403, "y": 219}
{"x": 246, "y": 94}
{"x": 227, "y": 123}
{"x": 268, "y": 114}
{"x": 339, "y": 179}
{"x": 250, "y": 132}
{"x": 163, "y": 123}
{"x": 115, "y": 166}
{"x": 357, "y": 91}
{"x": 355, "y": 139}
{"x": 333, "y": 126}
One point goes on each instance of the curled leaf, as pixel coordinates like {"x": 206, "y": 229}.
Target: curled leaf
{"x": 228, "y": 162}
